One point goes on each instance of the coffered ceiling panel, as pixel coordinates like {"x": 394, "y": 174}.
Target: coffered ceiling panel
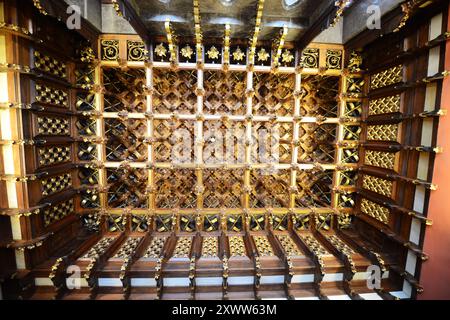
{"x": 297, "y": 15}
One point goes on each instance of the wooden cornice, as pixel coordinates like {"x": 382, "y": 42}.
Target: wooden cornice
{"x": 390, "y": 22}
{"x": 26, "y": 244}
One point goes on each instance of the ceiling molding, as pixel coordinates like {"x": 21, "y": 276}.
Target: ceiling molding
{"x": 322, "y": 23}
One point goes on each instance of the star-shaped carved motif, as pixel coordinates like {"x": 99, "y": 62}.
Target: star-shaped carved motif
{"x": 160, "y": 50}
{"x": 287, "y": 56}
{"x": 238, "y": 54}
{"x": 187, "y": 52}
{"x": 263, "y": 55}
{"x": 213, "y": 53}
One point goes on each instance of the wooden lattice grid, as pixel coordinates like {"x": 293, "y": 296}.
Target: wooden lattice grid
{"x": 225, "y": 93}
{"x": 175, "y": 188}
{"x": 125, "y": 89}
{"x": 127, "y": 188}
{"x": 125, "y": 140}
{"x": 272, "y": 142}
{"x": 174, "y": 91}
{"x": 316, "y": 143}
{"x": 274, "y": 94}
{"x": 224, "y": 142}
{"x": 386, "y": 160}
{"x": 320, "y": 96}
{"x": 167, "y": 134}
{"x": 313, "y": 189}
{"x": 223, "y": 188}
{"x": 270, "y": 190}
{"x": 283, "y": 103}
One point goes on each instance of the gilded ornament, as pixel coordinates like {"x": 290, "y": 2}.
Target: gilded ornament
{"x": 187, "y": 52}
{"x": 160, "y": 50}
{"x": 238, "y": 54}
{"x": 287, "y": 56}
{"x": 263, "y": 55}
{"x": 213, "y": 53}
{"x": 355, "y": 62}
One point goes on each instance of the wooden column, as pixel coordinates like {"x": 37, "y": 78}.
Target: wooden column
{"x": 101, "y": 147}
{"x": 435, "y": 277}
{"x": 12, "y": 156}
{"x": 248, "y": 138}
{"x": 295, "y": 135}
{"x": 150, "y": 136}
{"x": 199, "y": 137}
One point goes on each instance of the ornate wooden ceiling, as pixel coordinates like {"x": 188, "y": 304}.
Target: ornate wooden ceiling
{"x": 254, "y": 20}
{"x": 239, "y": 14}
{"x": 98, "y": 190}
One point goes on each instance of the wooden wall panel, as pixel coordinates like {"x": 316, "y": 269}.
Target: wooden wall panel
{"x": 435, "y": 277}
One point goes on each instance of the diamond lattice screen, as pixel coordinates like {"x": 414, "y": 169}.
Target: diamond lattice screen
{"x": 174, "y": 153}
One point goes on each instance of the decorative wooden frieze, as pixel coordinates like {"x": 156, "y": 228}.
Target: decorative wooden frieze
{"x": 99, "y": 248}
{"x": 109, "y": 50}
{"x": 182, "y": 248}
{"x": 315, "y": 246}
{"x": 53, "y": 155}
{"x": 378, "y": 185}
{"x": 237, "y": 246}
{"x": 56, "y": 184}
{"x": 50, "y": 65}
{"x": 384, "y": 132}
{"x": 58, "y": 212}
{"x": 375, "y": 211}
{"x": 289, "y": 246}
{"x": 210, "y": 247}
{"x": 155, "y": 248}
{"x": 263, "y": 246}
{"x": 50, "y": 95}
{"x": 386, "y": 77}
{"x": 127, "y": 249}
{"x": 380, "y": 159}
{"x": 136, "y": 51}
{"x": 384, "y": 105}
{"x": 53, "y": 126}
{"x": 334, "y": 59}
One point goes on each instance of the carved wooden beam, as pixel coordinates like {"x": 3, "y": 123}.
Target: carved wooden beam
{"x": 374, "y": 257}
{"x": 127, "y": 11}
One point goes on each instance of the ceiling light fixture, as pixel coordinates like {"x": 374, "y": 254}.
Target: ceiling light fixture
{"x": 227, "y": 3}
{"x": 289, "y": 4}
